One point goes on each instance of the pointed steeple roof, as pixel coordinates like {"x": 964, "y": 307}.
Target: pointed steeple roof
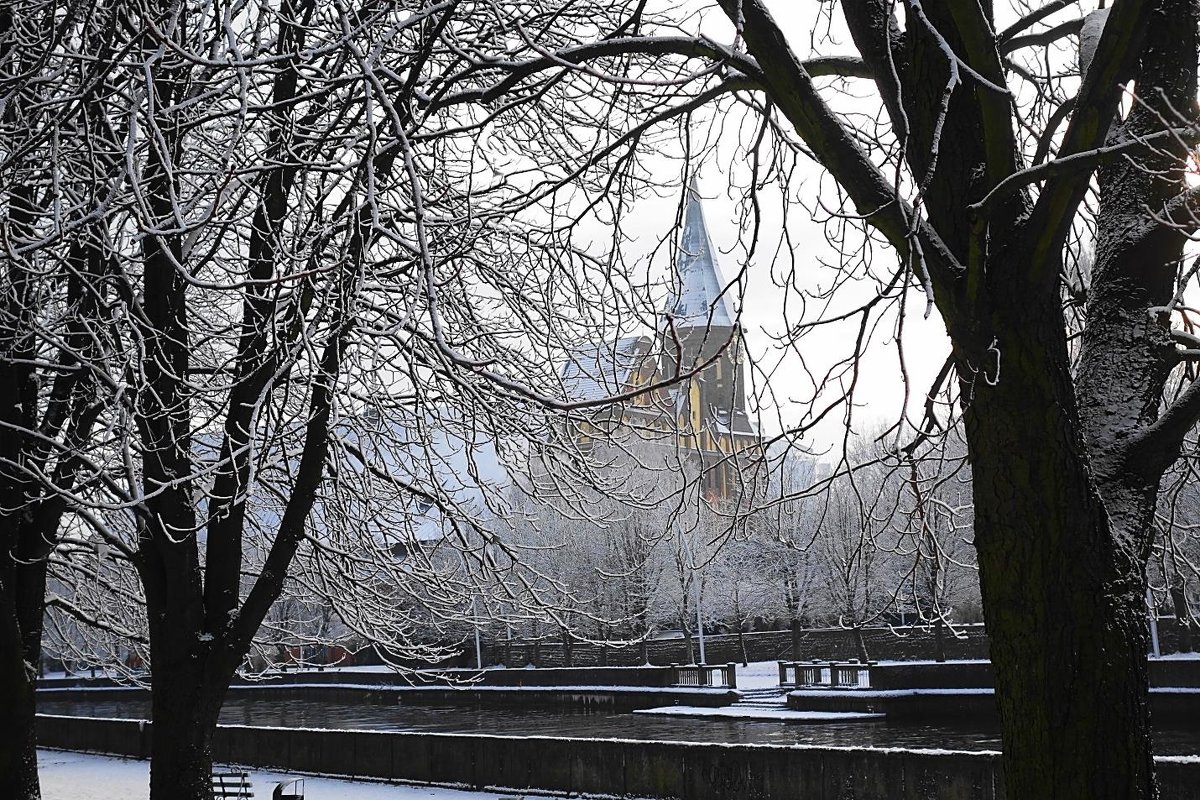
{"x": 699, "y": 298}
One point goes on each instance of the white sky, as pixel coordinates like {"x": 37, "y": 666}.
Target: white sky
{"x": 813, "y": 29}
{"x": 880, "y": 391}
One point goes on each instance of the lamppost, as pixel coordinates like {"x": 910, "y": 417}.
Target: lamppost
{"x": 1152, "y": 613}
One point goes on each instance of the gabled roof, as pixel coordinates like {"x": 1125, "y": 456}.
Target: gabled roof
{"x": 441, "y": 455}
{"x": 602, "y": 371}
{"x": 700, "y": 297}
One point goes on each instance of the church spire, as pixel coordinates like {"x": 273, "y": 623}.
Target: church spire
{"x": 700, "y": 296}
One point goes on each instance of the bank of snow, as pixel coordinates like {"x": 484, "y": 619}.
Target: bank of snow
{"x": 759, "y": 713}
{"x": 71, "y": 776}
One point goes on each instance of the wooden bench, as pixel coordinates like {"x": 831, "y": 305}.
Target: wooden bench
{"x": 232, "y": 783}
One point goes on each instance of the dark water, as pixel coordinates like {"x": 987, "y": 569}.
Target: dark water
{"x": 590, "y": 725}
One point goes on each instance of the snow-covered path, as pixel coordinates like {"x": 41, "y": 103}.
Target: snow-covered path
{"x": 83, "y": 776}
{"x": 758, "y": 675}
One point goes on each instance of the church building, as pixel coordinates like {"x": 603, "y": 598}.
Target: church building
{"x": 696, "y": 362}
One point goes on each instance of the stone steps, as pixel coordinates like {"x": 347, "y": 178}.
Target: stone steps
{"x": 766, "y": 698}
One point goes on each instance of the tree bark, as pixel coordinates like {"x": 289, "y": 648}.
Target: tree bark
{"x": 860, "y": 644}
{"x": 185, "y": 712}
{"x": 21, "y": 593}
{"x": 1183, "y": 615}
{"x": 939, "y": 640}
{"x": 1065, "y": 621}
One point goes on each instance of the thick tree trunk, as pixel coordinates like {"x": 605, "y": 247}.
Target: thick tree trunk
{"x": 1063, "y": 604}
{"x": 568, "y": 655}
{"x": 860, "y": 645}
{"x": 18, "y": 741}
{"x": 185, "y": 713}
{"x": 1183, "y": 615}
{"x": 796, "y": 639}
{"x": 22, "y": 593}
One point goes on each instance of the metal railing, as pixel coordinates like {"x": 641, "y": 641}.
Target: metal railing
{"x": 852, "y": 674}
{"x": 704, "y": 675}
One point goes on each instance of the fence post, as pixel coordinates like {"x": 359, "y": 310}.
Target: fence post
{"x": 731, "y": 675}
{"x": 782, "y": 673}
{"x": 833, "y": 675}
{"x": 673, "y": 675}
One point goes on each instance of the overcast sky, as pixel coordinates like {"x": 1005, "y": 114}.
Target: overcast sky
{"x": 768, "y": 309}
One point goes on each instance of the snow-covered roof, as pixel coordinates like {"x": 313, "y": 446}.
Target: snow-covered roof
{"x": 443, "y": 457}
{"x": 700, "y": 296}
{"x": 602, "y": 370}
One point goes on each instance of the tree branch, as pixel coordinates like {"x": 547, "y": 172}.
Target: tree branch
{"x": 1181, "y": 212}
{"x": 793, "y": 92}
{"x": 1073, "y": 164}
{"x": 1157, "y": 445}
{"x": 838, "y": 66}
{"x": 1043, "y": 38}
{"x": 1116, "y": 54}
{"x": 516, "y": 71}
{"x": 1046, "y": 139}
{"x": 996, "y": 110}
{"x": 1033, "y": 18}
{"x": 880, "y": 40}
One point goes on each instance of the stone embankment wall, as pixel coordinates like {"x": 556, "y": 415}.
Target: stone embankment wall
{"x": 610, "y": 688}
{"x": 600, "y": 766}
{"x": 883, "y": 644}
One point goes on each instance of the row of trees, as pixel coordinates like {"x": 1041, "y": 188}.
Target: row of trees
{"x": 254, "y": 257}
{"x": 890, "y": 536}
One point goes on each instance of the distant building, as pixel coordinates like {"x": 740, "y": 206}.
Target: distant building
{"x": 697, "y": 360}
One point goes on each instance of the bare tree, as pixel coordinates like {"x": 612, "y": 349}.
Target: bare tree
{"x": 741, "y": 586}
{"x": 254, "y": 255}
{"x": 979, "y": 196}
{"x": 54, "y": 317}
{"x": 854, "y": 546}
{"x": 988, "y": 130}
{"x": 935, "y": 522}
{"x": 1175, "y": 559}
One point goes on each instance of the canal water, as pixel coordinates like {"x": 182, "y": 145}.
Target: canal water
{"x": 569, "y": 724}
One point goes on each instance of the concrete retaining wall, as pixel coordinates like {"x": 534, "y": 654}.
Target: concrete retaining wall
{"x": 1173, "y": 672}
{"x": 827, "y": 644}
{"x": 603, "y": 766}
{"x": 950, "y": 675}
{"x": 647, "y": 676}
{"x": 614, "y": 698}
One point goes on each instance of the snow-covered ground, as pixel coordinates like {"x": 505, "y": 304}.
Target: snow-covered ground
{"x": 780, "y": 714}
{"x": 83, "y": 776}
{"x": 758, "y": 675}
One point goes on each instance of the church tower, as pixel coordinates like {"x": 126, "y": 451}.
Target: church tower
{"x": 700, "y": 334}
{"x": 698, "y": 352}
